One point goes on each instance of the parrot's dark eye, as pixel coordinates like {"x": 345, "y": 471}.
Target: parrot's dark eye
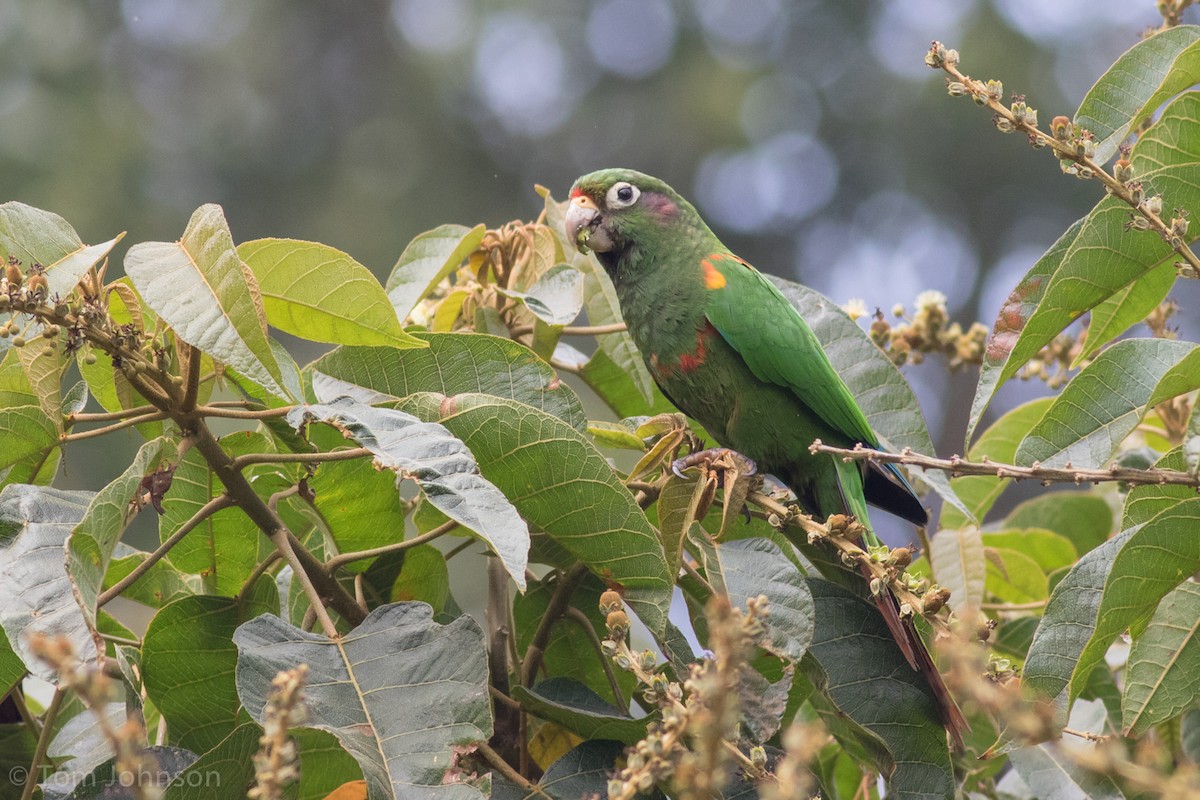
{"x": 622, "y": 194}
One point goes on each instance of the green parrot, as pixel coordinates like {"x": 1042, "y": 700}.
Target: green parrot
{"x": 727, "y": 349}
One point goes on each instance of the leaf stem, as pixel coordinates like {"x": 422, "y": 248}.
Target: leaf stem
{"x": 500, "y": 765}
{"x": 957, "y": 466}
{"x": 579, "y": 618}
{"x": 559, "y": 600}
{"x": 241, "y": 462}
{"x": 578, "y": 330}
{"x": 128, "y": 422}
{"x": 43, "y": 743}
{"x": 338, "y": 561}
{"x": 204, "y": 512}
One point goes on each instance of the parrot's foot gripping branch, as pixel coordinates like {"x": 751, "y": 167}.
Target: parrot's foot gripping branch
{"x": 714, "y": 457}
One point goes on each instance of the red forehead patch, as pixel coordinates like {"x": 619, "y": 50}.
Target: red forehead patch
{"x": 576, "y": 192}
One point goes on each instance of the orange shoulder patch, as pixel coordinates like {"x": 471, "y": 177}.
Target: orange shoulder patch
{"x": 713, "y": 279}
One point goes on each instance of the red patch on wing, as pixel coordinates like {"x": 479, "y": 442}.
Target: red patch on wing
{"x": 691, "y": 361}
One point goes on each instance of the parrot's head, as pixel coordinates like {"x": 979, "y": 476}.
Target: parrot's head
{"x": 617, "y": 212}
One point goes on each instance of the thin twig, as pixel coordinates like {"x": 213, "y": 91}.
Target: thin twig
{"x": 338, "y": 561}
{"x": 1065, "y": 150}
{"x": 241, "y": 462}
{"x": 565, "y": 367}
{"x": 500, "y": 765}
{"x": 280, "y": 538}
{"x": 957, "y": 466}
{"x": 581, "y": 619}
{"x": 204, "y": 512}
{"x": 43, "y": 743}
{"x": 1091, "y": 737}
{"x": 578, "y": 330}
{"x": 120, "y": 639}
{"x": 236, "y": 413}
{"x": 258, "y": 572}
{"x": 1031, "y": 606}
{"x": 116, "y": 426}
{"x": 109, "y": 416}
{"x": 559, "y": 601}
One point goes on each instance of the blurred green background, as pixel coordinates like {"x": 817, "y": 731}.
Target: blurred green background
{"x": 810, "y": 134}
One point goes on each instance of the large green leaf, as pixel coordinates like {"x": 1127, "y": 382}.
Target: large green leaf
{"x": 27, "y": 433}
{"x": 1047, "y": 549}
{"x": 1084, "y": 518}
{"x": 222, "y": 773}
{"x": 1156, "y": 558}
{"x": 36, "y": 595}
{"x": 998, "y": 443}
{"x": 44, "y": 368}
{"x": 158, "y": 586}
{"x": 1147, "y": 501}
{"x": 188, "y": 664}
{"x": 454, "y": 363}
{"x": 324, "y": 764}
{"x": 1069, "y": 620}
{"x": 579, "y": 709}
{"x": 34, "y": 236}
{"x": 877, "y": 384}
{"x": 1052, "y": 775}
{"x": 1143, "y": 78}
{"x": 441, "y": 464}
{"x": 615, "y": 386}
{"x": 428, "y": 258}
{"x": 958, "y": 564}
{"x": 600, "y": 300}
{"x": 226, "y": 546}
{"x": 757, "y": 566}
{"x": 400, "y": 692}
{"x": 1160, "y": 680}
{"x": 1014, "y": 577}
{"x": 321, "y": 294}
{"x": 1104, "y": 403}
{"x": 582, "y": 772}
{"x": 201, "y": 288}
{"x": 1096, "y": 257}
{"x": 564, "y": 486}
{"x": 1125, "y": 309}
{"x": 866, "y": 676}
{"x": 91, "y": 543}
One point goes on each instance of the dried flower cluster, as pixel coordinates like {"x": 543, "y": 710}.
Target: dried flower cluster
{"x": 928, "y": 330}
{"x": 135, "y": 768}
{"x": 699, "y": 745}
{"x": 277, "y": 763}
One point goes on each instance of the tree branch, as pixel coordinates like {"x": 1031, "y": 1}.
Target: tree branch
{"x": 191, "y": 375}
{"x": 241, "y": 462}
{"x": 128, "y": 422}
{"x": 204, "y": 512}
{"x": 43, "y": 743}
{"x": 554, "y": 610}
{"x": 958, "y": 466}
{"x": 338, "y": 561}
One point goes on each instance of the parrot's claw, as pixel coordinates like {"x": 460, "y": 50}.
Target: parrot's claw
{"x": 712, "y": 457}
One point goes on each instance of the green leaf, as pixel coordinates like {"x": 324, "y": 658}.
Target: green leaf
{"x": 1096, "y": 257}
{"x": 579, "y": 709}
{"x": 614, "y": 435}
{"x": 423, "y": 577}
{"x": 226, "y": 546}
{"x": 454, "y": 363}
{"x": 1013, "y": 577}
{"x": 441, "y": 464}
{"x": 1046, "y": 548}
{"x": 556, "y": 297}
{"x": 1189, "y": 735}
{"x": 1069, "y": 620}
{"x": 44, "y": 368}
{"x": 564, "y": 486}
{"x": 1104, "y": 403}
{"x": 90, "y": 546}
{"x": 1142, "y": 79}
{"x": 1159, "y": 556}
{"x": 161, "y": 765}
{"x": 570, "y": 652}
{"x": 399, "y": 692}
{"x": 34, "y": 236}
{"x": 158, "y": 586}
{"x": 866, "y": 676}
{"x": 582, "y": 772}
{"x": 1147, "y": 501}
{"x": 27, "y": 433}
{"x": 78, "y": 746}
{"x": 600, "y": 300}
{"x": 876, "y": 383}
{"x": 321, "y": 294}
{"x": 615, "y": 386}
{"x": 188, "y": 663}
{"x": 1085, "y": 519}
{"x": 36, "y": 594}
{"x": 428, "y": 258}
{"x": 201, "y": 288}
{"x": 998, "y": 443}
{"x": 958, "y": 564}
{"x": 221, "y": 773}
{"x": 757, "y": 566}
{"x": 1163, "y": 663}
{"x": 1126, "y": 308}
{"x": 324, "y": 765}
{"x": 1052, "y": 775}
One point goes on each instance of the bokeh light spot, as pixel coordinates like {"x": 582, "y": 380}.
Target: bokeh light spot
{"x": 632, "y": 38}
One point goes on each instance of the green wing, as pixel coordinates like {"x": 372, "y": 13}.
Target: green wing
{"x": 779, "y": 347}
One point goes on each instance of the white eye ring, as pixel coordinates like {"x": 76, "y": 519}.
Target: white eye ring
{"x": 622, "y": 195}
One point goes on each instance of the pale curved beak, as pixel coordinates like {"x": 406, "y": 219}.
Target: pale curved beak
{"x": 583, "y": 225}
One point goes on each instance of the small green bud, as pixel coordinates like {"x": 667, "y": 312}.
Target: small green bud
{"x": 18, "y": 341}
